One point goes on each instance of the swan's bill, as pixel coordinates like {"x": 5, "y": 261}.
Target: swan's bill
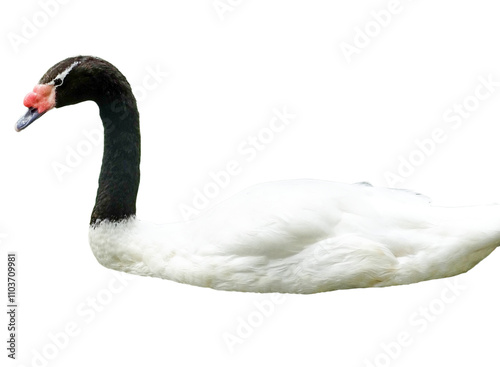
{"x": 31, "y": 115}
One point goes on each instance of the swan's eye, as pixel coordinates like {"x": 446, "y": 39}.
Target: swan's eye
{"x": 57, "y": 81}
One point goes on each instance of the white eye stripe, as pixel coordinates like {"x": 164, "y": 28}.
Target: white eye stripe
{"x": 62, "y": 75}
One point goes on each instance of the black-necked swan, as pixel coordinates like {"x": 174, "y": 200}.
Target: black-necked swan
{"x": 298, "y": 236}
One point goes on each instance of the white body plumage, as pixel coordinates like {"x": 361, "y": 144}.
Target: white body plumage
{"x": 305, "y": 236}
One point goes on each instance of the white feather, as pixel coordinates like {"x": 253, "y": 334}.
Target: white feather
{"x": 305, "y": 236}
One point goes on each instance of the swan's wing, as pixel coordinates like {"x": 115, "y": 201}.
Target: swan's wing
{"x": 283, "y": 218}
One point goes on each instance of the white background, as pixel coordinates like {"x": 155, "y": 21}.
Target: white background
{"x": 354, "y": 121}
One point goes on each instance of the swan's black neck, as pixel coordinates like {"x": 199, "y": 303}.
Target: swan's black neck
{"x": 119, "y": 177}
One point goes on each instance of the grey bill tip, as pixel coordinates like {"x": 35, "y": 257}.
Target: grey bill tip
{"x": 31, "y": 115}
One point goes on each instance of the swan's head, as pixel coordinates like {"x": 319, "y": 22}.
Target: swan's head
{"x": 70, "y": 81}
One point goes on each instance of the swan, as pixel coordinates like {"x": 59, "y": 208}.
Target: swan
{"x": 296, "y": 236}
